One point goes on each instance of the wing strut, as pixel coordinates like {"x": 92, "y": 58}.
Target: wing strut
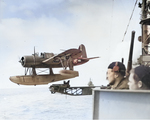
{"x": 51, "y": 71}
{"x": 66, "y": 63}
{"x": 26, "y": 71}
{"x": 34, "y": 71}
{"x": 63, "y": 63}
{"x": 70, "y": 63}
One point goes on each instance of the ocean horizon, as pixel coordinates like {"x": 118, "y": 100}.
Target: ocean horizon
{"x": 38, "y": 103}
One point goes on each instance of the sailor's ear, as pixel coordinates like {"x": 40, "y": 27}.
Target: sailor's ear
{"x": 140, "y": 84}
{"x": 116, "y": 75}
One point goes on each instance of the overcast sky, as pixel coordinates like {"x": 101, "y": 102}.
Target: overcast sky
{"x": 53, "y": 25}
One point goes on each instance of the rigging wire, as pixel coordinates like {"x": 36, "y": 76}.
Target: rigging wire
{"x": 109, "y": 42}
{"x": 129, "y": 21}
{"x": 112, "y": 17}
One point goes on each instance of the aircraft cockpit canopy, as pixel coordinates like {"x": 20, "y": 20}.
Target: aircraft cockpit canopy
{"x": 47, "y": 55}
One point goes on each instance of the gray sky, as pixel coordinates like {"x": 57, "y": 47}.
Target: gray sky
{"x": 52, "y": 25}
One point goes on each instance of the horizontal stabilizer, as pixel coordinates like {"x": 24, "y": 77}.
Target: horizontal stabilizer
{"x": 89, "y": 58}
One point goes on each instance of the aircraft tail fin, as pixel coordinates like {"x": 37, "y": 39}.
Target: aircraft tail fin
{"x": 82, "y": 48}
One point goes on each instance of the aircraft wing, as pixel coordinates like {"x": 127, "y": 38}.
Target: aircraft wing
{"x": 49, "y": 60}
{"x": 71, "y": 52}
{"x": 74, "y": 53}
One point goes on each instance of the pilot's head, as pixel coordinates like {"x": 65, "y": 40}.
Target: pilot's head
{"x": 116, "y": 70}
{"x": 139, "y": 78}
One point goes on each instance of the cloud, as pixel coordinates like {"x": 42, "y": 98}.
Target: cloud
{"x": 64, "y": 25}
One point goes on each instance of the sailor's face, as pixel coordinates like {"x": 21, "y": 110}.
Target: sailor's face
{"x": 110, "y": 76}
{"x": 132, "y": 83}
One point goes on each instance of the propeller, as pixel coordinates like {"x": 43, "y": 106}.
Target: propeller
{"x": 33, "y": 68}
{"x": 34, "y": 50}
{"x": 22, "y": 60}
{"x": 34, "y": 56}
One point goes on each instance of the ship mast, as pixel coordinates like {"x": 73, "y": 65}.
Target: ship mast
{"x": 145, "y": 38}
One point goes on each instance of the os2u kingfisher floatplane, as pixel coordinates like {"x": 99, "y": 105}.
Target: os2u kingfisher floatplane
{"x": 68, "y": 58}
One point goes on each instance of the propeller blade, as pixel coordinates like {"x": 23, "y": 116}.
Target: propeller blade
{"x": 19, "y": 59}
{"x": 34, "y": 51}
{"x": 34, "y": 56}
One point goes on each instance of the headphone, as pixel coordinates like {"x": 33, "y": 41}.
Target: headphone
{"x": 116, "y": 67}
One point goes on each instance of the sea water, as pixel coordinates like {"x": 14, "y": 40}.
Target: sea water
{"x": 39, "y": 104}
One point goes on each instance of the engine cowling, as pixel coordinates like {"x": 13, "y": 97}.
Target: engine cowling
{"x": 30, "y": 61}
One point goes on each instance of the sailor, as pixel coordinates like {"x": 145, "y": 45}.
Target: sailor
{"x": 116, "y": 76}
{"x": 139, "y": 78}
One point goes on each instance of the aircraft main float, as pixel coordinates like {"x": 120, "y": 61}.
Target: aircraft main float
{"x": 66, "y": 59}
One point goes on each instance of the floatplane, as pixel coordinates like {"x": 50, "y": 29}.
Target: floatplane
{"x": 66, "y": 59}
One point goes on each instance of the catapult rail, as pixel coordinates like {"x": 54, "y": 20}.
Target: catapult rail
{"x": 74, "y": 91}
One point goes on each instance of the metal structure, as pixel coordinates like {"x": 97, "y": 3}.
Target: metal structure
{"x": 129, "y": 66}
{"x": 145, "y": 38}
{"x": 74, "y": 91}
{"x": 127, "y": 104}
{"x": 121, "y": 104}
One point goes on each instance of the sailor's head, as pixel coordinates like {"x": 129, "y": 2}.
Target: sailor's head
{"x": 115, "y": 70}
{"x": 139, "y": 78}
